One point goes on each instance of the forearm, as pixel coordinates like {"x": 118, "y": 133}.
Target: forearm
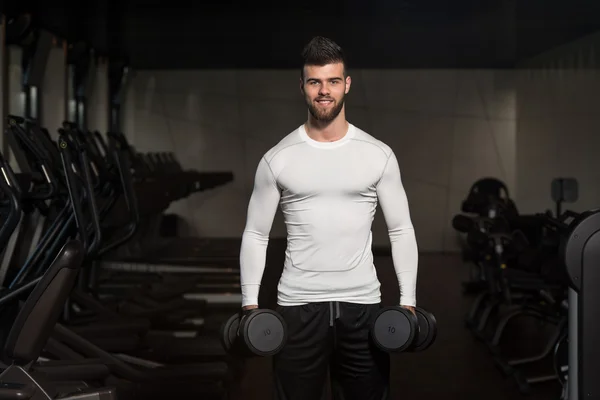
{"x": 253, "y": 258}
{"x": 405, "y": 256}
{"x": 255, "y": 239}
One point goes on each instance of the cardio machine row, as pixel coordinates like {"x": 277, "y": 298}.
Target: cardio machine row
{"x": 71, "y": 204}
{"x": 521, "y": 271}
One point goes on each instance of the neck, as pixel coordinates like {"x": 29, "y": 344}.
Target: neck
{"x": 327, "y": 131}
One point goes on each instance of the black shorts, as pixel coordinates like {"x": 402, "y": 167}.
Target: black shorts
{"x": 332, "y": 335}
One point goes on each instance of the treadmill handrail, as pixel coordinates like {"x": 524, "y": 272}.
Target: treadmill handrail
{"x": 55, "y": 234}
{"x": 122, "y": 161}
{"x": 87, "y": 180}
{"x": 40, "y": 155}
{"x": 9, "y": 189}
{"x": 73, "y": 189}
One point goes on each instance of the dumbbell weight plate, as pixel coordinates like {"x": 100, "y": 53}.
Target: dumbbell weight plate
{"x": 394, "y": 329}
{"x": 229, "y": 329}
{"x": 427, "y": 331}
{"x": 263, "y": 332}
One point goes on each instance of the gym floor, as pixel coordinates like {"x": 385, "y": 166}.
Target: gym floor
{"x": 457, "y": 366}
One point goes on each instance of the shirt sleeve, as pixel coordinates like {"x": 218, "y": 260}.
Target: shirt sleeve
{"x": 405, "y": 254}
{"x": 255, "y": 239}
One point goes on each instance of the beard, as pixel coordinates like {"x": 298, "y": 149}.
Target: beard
{"x": 325, "y": 115}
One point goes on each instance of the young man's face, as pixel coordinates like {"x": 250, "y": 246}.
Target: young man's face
{"x": 324, "y": 88}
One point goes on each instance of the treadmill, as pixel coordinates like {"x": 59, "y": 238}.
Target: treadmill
{"x": 210, "y": 281}
{"x": 164, "y": 167}
{"x": 59, "y": 226}
{"x": 43, "y": 300}
{"x": 208, "y": 371}
{"x": 103, "y": 334}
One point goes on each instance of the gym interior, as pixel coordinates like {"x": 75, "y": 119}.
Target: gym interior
{"x": 132, "y": 134}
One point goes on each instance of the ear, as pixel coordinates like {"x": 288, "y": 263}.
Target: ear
{"x": 301, "y": 85}
{"x": 348, "y": 83}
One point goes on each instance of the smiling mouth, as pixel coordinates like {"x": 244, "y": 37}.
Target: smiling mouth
{"x": 325, "y": 102}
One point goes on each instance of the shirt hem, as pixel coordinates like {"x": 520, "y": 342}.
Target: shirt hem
{"x": 341, "y": 299}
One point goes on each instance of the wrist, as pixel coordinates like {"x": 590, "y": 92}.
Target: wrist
{"x": 250, "y": 294}
{"x": 408, "y": 301}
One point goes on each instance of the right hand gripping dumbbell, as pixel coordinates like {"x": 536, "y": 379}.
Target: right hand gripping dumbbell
{"x": 396, "y": 329}
{"x": 256, "y": 332}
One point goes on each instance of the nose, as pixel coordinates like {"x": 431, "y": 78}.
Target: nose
{"x": 324, "y": 90}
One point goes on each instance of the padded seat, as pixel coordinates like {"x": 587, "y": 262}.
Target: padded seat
{"x": 41, "y": 311}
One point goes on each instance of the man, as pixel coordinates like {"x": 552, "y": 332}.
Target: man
{"x": 328, "y": 176}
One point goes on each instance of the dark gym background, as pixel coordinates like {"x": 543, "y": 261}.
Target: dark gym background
{"x": 459, "y": 89}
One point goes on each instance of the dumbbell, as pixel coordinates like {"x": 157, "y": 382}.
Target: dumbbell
{"x": 256, "y": 332}
{"x": 396, "y": 329}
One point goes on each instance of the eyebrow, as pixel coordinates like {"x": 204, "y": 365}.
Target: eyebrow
{"x": 328, "y": 79}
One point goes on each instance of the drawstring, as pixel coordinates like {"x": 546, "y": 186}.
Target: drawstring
{"x": 331, "y": 316}
{"x": 334, "y": 312}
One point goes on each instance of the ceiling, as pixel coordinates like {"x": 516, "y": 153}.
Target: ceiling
{"x": 375, "y": 34}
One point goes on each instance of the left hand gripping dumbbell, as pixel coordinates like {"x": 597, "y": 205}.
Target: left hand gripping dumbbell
{"x": 396, "y": 329}
{"x": 256, "y": 332}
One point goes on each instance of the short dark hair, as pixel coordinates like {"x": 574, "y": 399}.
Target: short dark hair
{"x": 322, "y": 51}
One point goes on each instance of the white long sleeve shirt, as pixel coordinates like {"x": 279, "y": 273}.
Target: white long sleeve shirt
{"x": 328, "y": 193}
